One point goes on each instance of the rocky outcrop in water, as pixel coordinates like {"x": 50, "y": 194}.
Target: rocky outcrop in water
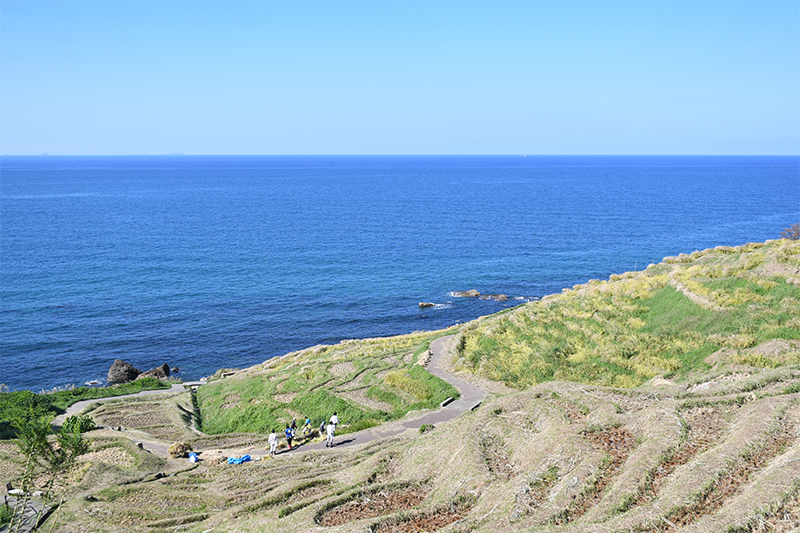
{"x": 472, "y": 293}
{"x": 161, "y": 372}
{"x": 122, "y": 372}
{"x": 475, "y": 294}
{"x": 423, "y": 305}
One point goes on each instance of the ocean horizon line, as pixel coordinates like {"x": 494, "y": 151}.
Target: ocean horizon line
{"x": 182, "y": 154}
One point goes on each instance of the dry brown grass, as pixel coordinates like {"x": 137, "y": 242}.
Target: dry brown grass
{"x": 369, "y": 505}
{"x": 110, "y": 456}
{"x": 718, "y": 450}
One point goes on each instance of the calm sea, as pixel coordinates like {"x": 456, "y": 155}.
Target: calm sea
{"x": 212, "y": 262}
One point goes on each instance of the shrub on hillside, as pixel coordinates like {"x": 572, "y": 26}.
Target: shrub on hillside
{"x": 80, "y": 424}
{"x": 792, "y": 232}
{"x": 19, "y": 403}
{"x": 15, "y": 405}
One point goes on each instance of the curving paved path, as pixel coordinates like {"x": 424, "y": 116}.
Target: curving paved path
{"x": 471, "y": 398}
{"x": 78, "y": 407}
{"x": 147, "y": 443}
{"x": 471, "y": 395}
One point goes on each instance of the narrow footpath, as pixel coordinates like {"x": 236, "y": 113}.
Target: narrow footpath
{"x": 78, "y": 407}
{"x": 471, "y": 398}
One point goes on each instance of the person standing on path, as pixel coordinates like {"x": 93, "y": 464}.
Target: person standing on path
{"x": 289, "y": 435}
{"x": 334, "y": 421}
{"x": 329, "y": 440}
{"x": 273, "y": 442}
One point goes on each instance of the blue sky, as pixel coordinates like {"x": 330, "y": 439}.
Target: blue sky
{"x": 400, "y": 77}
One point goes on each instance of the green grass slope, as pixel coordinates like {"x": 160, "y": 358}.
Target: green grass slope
{"x": 665, "y": 320}
{"x": 366, "y": 381}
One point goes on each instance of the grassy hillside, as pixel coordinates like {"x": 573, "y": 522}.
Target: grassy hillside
{"x": 366, "y": 381}
{"x": 14, "y": 405}
{"x": 718, "y": 454}
{"x": 665, "y": 320}
{"x": 699, "y": 430}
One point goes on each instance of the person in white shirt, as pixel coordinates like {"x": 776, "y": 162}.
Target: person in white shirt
{"x": 273, "y": 442}
{"x": 331, "y": 430}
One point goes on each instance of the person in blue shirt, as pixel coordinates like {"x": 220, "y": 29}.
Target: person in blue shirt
{"x": 289, "y": 435}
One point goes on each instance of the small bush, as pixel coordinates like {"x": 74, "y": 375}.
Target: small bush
{"x": 792, "y": 232}
{"x": 18, "y": 403}
{"x": 80, "y": 424}
{"x": 5, "y": 514}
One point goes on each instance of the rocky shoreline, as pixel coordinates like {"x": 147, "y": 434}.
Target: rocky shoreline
{"x": 124, "y": 372}
{"x": 472, "y": 293}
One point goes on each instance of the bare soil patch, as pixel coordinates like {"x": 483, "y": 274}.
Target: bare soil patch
{"x": 110, "y": 456}
{"x": 285, "y": 397}
{"x": 155, "y": 418}
{"x": 138, "y": 507}
{"x": 355, "y": 383}
{"x": 374, "y": 504}
{"x": 705, "y": 427}
{"x": 728, "y": 483}
{"x": 496, "y": 458}
{"x": 571, "y": 411}
{"x": 308, "y": 492}
{"x": 343, "y": 369}
{"x": 618, "y": 443}
{"x": 426, "y": 522}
